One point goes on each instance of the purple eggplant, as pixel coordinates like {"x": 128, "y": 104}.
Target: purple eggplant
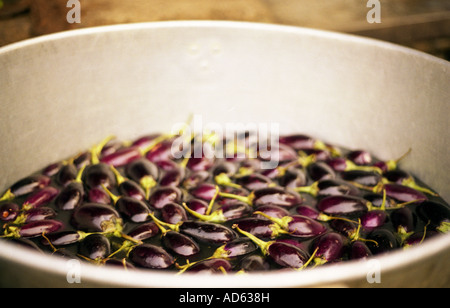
{"x": 285, "y": 255}
{"x": 343, "y": 205}
{"x": 26, "y": 186}
{"x": 95, "y": 247}
{"x": 163, "y": 195}
{"x": 359, "y": 250}
{"x": 33, "y": 229}
{"x": 435, "y": 214}
{"x": 151, "y": 256}
{"x": 382, "y": 241}
{"x": 268, "y": 196}
{"x": 330, "y": 248}
{"x": 93, "y": 217}
{"x": 9, "y": 211}
{"x": 374, "y": 219}
{"x": 298, "y": 226}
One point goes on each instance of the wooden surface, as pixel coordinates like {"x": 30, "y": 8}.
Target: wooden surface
{"x": 421, "y": 24}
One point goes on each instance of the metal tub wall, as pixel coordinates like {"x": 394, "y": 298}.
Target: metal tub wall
{"x": 62, "y": 93}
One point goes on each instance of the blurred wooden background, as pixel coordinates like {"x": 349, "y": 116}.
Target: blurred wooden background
{"x": 420, "y": 24}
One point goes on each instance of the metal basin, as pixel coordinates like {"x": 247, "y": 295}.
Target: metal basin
{"x": 62, "y": 93}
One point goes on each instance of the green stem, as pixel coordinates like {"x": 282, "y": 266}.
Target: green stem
{"x": 165, "y": 137}
{"x": 224, "y": 180}
{"x": 306, "y": 160}
{"x": 355, "y": 236}
{"x": 216, "y": 216}
{"x": 185, "y": 267}
{"x": 114, "y": 227}
{"x": 312, "y": 189}
{"x": 155, "y": 142}
{"x": 325, "y": 217}
{"x": 126, "y": 245}
{"x": 185, "y": 161}
{"x": 375, "y": 189}
{"x": 113, "y": 197}
{"x": 79, "y": 177}
{"x": 97, "y": 149}
{"x": 406, "y": 246}
{"x": 165, "y": 224}
{"x": 309, "y": 260}
{"x": 352, "y": 166}
{"x": 319, "y": 261}
{"x": 7, "y": 196}
{"x": 219, "y": 253}
{"x": 282, "y": 222}
{"x": 248, "y": 199}
{"x": 213, "y": 200}
{"x": 147, "y": 183}
{"x": 383, "y": 203}
{"x": 410, "y": 182}
{"x": 444, "y": 227}
{"x": 393, "y": 163}
{"x": 119, "y": 178}
{"x": 160, "y": 226}
{"x": 403, "y": 234}
{"x": 82, "y": 235}
{"x": 282, "y": 169}
{"x": 263, "y": 245}
{"x": 11, "y": 232}
{"x": 244, "y": 171}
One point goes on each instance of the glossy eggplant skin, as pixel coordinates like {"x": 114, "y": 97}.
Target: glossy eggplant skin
{"x": 71, "y": 196}
{"x": 173, "y": 213}
{"x": 41, "y": 197}
{"x": 403, "y": 193}
{"x": 305, "y": 227}
{"x": 211, "y": 266}
{"x": 287, "y": 255}
{"x": 343, "y": 205}
{"x": 9, "y": 211}
{"x": 330, "y": 247}
{"x": 132, "y": 189}
{"x": 132, "y": 209}
{"x": 382, "y": 241}
{"x": 151, "y": 256}
{"x": 333, "y": 187}
{"x": 95, "y": 247}
{"x": 93, "y": 217}
{"x": 94, "y": 176}
{"x": 404, "y": 220}
{"x": 374, "y": 219}
{"x": 164, "y": 195}
{"x": 210, "y": 233}
{"x": 359, "y": 250}
{"x": 29, "y": 185}
{"x": 141, "y": 168}
{"x": 37, "y": 228}
{"x": 180, "y": 244}
{"x": 276, "y": 196}
{"x": 219, "y": 216}
{"x": 121, "y": 157}
{"x": 320, "y": 171}
{"x": 239, "y": 247}
{"x": 261, "y": 228}
{"x": 144, "y": 231}
{"x": 62, "y": 238}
